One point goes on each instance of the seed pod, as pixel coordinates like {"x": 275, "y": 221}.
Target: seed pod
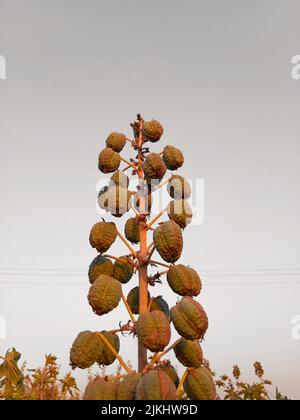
{"x": 154, "y": 168}
{"x": 100, "y": 389}
{"x": 184, "y": 280}
{"x": 85, "y": 350}
{"x": 168, "y": 241}
{"x": 100, "y": 265}
{"x": 156, "y": 385}
{"x": 152, "y": 131}
{"x": 171, "y": 372}
{"x": 104, "y": 294}
{"x": 106, "y": 356}
{"x": 118, "y": 201}
{"x": 199, "y": 385}
{"x": 120, "y": 179}
{"x": 132, "y": 230}
{"x": 153, "y": 329}
{"x": 179, "y": 188}
{"x": 173, "y": 158}
{"x": 123, "y": 269}
{"x": 133, "y": 299}
{"x": 102, "y": 198}
{"x": 189, "y": 319}
{"x": 159, "y": 304}
{"x": 109, "y": 161}
{"x": 116, "y": 141}
{"x": 102, "y": 236}
{"x": 189, "y": 353}
{"x": 180, "y": 212}
{"x": 127, "y": 387}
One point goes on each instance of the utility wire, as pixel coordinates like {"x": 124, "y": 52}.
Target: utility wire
{"x": 233, "y": 273}
{"x": 273, "y": 283}
{"x": 205, "y": 270}
{"x": 79, "y": 273}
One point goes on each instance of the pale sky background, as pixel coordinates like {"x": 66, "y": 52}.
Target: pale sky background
{"x": 217, "y": 74}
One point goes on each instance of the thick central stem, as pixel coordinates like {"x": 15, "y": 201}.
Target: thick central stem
{"x": 143, "y": 265}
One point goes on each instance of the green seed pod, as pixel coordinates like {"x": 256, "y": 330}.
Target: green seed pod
{"x": 156, "y": 385}
{"x": 171, "y": 372}
{"x": 152, "y": 131}
{"x": 199, "y": 385}
{"x": 189, "y": 353}
{"x": 184, "y": 280}
{"x": 102, "y": 236}
{"x": 168, "y": 241}
{"x": 154, "y": 168}
{"x": 100, "y": 265}
{"x": 159, "y": 304}
{"x": 123, "y": 269}
{"x": 180, "y": 212}
{"x": 179, "y": 188}
{"x": 104, "y": 294}
{"x": 189, "y": 319}
{"x": 85, "y": 350}
{"x": 173, "y": 158}
{"x": 132, "y": 230}
{"x": 153, "y": 329}
{"x": 100, "y": 389}
{"x": 120, "y": 179}
{"x": 127, "y": 387}
{"x": 116, "y": 141}
{"x": 109, "y": 161}
{"x": 133, "y": 299}
{"x": 106, "y": 356}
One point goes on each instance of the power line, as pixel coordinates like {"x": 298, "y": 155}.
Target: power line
{"x": 285, "y": 269}
{"x": 225, "y": 283}
{"x": 202, "y": 273}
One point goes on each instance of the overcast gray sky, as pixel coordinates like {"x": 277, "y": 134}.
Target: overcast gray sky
{"x": 217, "y": 74}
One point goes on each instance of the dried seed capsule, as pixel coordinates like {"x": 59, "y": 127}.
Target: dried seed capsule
{"x": 100, "y": 265}
{"x": 132, "y": 230}
{"x": 85, "y": 350}
{"x": 101, "y": 389}
{"x": 153, "y": 328}
{"x": 171, "y": 372}
{"x": 179, "y": 188}
{"x": 159, "y": 304}
{"x": 106, "y": 356}
{"x": 189, "y": 353}
{"x": 116, "y": 141}
{"x": 109, "y": 161}
{"x": 104, "y": 294}
{"x": 120, "y": 179}
{"x": 154, "y": 168}
{"x": 189, "y": 319}
{"x": 152, "y": 131}
{"x": 156, "y": 385}
{"x": 199, "y": 385}
{"x": 103, "y": 198}
{"x": 127, "y": 387}
{"x": 118, "y": 201}
{"x": 103, "y": 235}
{"x": 184, "y": 280}
{"x": 133, "y": 299}
{"x": 168, "y": 241}
{"x": 173, "y": 158}
{"x": 180, "y": 212}
{"x": 123, "y": 269}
